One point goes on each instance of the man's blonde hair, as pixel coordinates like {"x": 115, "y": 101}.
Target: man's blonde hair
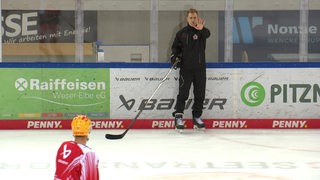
{"x": 192, "y": 10}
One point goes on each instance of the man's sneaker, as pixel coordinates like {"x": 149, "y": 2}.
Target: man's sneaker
{"x": 179, "y": 122}
{"x": 198, "y": 123}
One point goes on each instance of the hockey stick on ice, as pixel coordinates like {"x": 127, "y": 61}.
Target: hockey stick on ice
{"x": 120, "y": 136}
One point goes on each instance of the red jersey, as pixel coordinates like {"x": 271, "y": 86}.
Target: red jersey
{"x": 76, "y": 162}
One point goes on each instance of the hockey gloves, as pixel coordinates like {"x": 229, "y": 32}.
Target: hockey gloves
{"x": 175, "y": 61}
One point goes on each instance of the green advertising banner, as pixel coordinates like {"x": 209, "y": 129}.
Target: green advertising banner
{"x": 46, "y": 93}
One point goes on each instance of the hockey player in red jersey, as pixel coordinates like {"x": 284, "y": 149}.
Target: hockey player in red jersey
{"x": 75, "y": 160}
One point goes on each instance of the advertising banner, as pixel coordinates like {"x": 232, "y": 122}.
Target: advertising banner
{"x": 52, "y": 94}
{"x": 270, "y": 35}
{"x": 247, "y": 97}
{"x": 235, "y": 97}
{"x": 26, "y": 26}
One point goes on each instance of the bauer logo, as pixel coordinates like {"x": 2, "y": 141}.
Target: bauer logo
{"x": 22, "y": 84}
{"x": 168, "y": 103}
{"x": 253, "y": 94}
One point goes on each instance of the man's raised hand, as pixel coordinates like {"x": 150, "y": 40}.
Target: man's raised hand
{"x": 200, "y": 24}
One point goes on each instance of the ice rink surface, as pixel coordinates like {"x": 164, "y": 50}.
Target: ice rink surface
{"x": 167, "y": 155}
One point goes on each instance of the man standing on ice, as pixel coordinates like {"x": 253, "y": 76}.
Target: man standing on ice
{"x": 75, "y": 160}
{"x": 189, "y": 48}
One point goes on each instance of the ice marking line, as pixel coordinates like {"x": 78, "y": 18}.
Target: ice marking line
{"x": 265, "y": 146}
{"x": 59, "y": 103}
{"x": 216, "y": 175}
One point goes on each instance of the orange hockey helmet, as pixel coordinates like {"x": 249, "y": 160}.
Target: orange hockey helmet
{"x": 81, "y": 125}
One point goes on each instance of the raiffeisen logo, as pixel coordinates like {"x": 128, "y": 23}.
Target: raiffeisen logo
{"x": 23, "y": 84}
{"x": 253, "y": 94}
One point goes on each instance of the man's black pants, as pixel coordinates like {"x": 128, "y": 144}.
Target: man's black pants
{"x": 197, "y": 77}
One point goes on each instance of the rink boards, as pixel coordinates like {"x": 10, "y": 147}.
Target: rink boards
{"x": 238, "y": 95}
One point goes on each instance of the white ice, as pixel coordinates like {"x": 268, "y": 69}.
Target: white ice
{"x": 166, "y": 155}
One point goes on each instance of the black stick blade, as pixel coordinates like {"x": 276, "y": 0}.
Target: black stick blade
{"x": 114, "y": 136}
